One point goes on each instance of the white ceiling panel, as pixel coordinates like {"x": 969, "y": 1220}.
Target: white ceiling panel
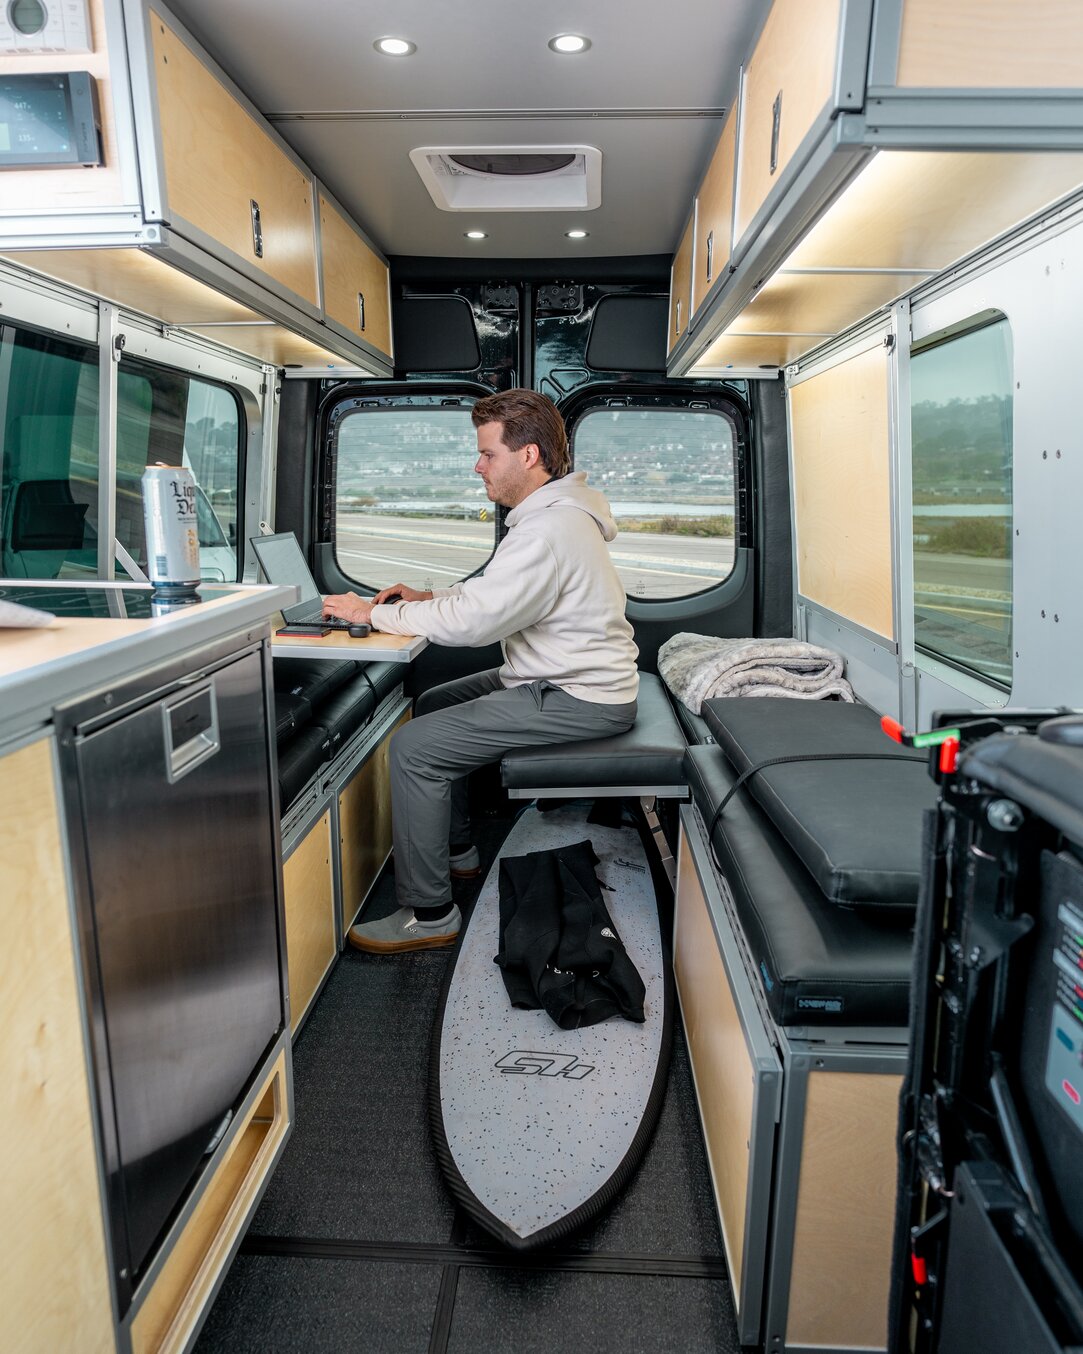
{"x": 648, "y": 94}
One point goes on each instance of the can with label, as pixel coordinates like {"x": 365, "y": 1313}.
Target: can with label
{"x": 169, "y": 514}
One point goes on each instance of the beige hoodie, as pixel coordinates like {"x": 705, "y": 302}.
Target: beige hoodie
{"x": 550, "y": 595}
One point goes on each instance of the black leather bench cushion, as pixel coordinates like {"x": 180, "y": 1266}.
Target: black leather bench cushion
{"x": 856, "y": 825}
{"x": 291, "y": 713}
{"x": 694, "y": 726}
{"x": 298, "y": 761}
{"x": 319, "y": 706}
{"x": 346, "y": 712}
{"x": 819, "y": 964}
{"x": 650, "y": 753}
{"x": 313, "y": 678}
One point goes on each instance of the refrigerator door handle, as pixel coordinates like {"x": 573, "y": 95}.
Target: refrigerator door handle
{"x": 190, "y": 730}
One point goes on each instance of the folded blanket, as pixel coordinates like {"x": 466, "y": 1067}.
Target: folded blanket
{"x": 699, "y": 667}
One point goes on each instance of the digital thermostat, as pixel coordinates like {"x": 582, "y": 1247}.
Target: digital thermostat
{"x": 49, "y": 119}
{"x": 44, "y": 27}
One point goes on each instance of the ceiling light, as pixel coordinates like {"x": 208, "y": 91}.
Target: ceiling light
{"x": 577, "y": 234}
{"x": 567, "y": 43}
{"x": 395, "y": 46}
{"x": 475, "y": 234}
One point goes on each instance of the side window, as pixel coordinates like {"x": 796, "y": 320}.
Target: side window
{"x": 408, "y": 506}
{"x": 961, "y": 423}
{"x": 48, "y": 456}
{"x": 167, "y": 416}
{"x": 669, "y": 478}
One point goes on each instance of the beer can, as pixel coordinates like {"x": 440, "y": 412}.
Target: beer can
{"x": 169, "y": 515}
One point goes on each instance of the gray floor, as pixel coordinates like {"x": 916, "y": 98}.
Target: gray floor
{"x": 358, "y": 1246}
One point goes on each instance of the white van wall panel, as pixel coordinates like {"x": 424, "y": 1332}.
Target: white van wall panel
{"x": 1040, "y": 290}
{"x": 841, "y": 464}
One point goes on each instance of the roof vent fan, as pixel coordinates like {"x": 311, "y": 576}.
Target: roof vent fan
{"x": 511, "y": 178}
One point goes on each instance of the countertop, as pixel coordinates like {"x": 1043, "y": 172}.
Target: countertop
{"x": 40, "y": 668}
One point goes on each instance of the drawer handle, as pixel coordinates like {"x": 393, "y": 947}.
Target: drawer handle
{"x": 776, "y": 125}
{"x": 257, "y": 230}
{"x": 677, "y": 320}
{"x": 710, "y": 255}
{"x": 361, "y": 309}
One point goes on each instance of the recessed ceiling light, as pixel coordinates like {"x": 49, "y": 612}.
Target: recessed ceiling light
{"x": 475, "y": 234}
{"x": 395, "y": 46}
{"x": 567, "y": 43}
{"x": 577, "y": 234}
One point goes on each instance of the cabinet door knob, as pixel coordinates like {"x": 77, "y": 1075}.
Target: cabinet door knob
{"x": 257, "y": 230}
{"x": 361, "y": 309}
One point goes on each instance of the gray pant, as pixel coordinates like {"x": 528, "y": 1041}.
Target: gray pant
{"x": 458, "y": 727}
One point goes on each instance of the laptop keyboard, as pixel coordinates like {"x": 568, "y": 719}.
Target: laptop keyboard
{"x": 318, "y": 618}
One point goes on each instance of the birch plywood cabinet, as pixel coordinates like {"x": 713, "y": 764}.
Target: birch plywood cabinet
{"x": 680, "y": 287}
{"x": 229, "y": 183}
{"x": 201, "y": 216}
{"x": 50, "y": 1177}
{"x": 954, "y": 123}
{"x": 356, "y": 291}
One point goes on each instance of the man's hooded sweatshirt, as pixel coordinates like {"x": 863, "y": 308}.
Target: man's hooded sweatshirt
{"x": 550, "y": 595}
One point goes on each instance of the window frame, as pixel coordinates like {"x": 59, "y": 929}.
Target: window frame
{"x": 345, "y": 400}
{"x": 52, "y": 308}
{"x": 678, "y": 396}
{"x": 979, "y": 684}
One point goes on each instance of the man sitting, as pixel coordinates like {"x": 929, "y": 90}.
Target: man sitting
{"x": 552, "y": 597}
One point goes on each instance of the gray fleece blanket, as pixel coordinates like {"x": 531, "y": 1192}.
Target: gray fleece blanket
{"x": 700, "y": 667}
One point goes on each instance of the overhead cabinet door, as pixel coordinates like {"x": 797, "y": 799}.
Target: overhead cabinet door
{"x": 229, "y": 185}
{"x": 789, "y": 81}
{"x": 355, "y": 281}
{"x": 680, "y": 286}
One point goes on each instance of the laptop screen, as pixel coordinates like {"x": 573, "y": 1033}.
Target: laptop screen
{"x": 282, "y": 561}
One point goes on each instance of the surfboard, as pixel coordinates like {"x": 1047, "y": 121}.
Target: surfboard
{"x": 537, "y": 1129}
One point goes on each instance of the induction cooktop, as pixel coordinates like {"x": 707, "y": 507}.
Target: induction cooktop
{"x": 124, "y": 601}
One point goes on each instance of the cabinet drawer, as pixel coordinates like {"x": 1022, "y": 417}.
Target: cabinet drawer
{"x": 225, "y": 176}
{"x": 789, "y": 81}
{"x": 355, "y": 279}
{"x": 680, "y": 286}
{"x": 714, "y": 215}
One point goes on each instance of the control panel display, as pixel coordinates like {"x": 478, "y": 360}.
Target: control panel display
{"x": 1064, "y": 1060}
{"x": 43, "y": 27}
{"x": 49, "y": 119}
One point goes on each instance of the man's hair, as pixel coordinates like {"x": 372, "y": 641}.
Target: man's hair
{"x": 528, "y": 417}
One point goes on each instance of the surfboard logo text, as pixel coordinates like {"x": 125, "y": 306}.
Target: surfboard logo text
{"x": 523, "y": 1063}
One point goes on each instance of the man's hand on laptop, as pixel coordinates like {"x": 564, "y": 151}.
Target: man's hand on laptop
{"x": 400, "y": 592}
{"x": 347, "y": 606}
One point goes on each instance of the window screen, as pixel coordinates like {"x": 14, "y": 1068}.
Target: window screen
{"x": 961, "y": 424}
{"x": 669, "y": 477}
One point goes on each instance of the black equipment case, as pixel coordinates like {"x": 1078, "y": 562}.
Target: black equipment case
{"x": 989, "y": 1236}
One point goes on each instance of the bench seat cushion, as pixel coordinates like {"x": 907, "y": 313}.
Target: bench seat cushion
{"x": 319, "y": 706}
{"x": 818, "y": 963}
{"x": 651, "y": 753}
{"x": 856, "y": 825}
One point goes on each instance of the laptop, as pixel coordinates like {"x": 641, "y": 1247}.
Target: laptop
{"x": 281, "y": 560}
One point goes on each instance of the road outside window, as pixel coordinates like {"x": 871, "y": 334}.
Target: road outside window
{"x": 409, "y": 507}
{"x": 961, "y": 422}
{"x": 669, "y": 478}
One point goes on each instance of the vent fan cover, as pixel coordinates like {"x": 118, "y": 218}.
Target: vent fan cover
{"x": 511, "y": 178}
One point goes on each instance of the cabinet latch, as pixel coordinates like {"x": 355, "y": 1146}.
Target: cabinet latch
{"x": 257, "y": 230}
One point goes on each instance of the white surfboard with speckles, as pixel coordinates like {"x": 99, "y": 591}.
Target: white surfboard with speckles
{"x": 537, "y": 1119}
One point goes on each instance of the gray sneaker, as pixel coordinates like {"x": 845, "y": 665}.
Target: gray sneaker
{"x": 402, "y": 931}
{"x": 465, "y": 864}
